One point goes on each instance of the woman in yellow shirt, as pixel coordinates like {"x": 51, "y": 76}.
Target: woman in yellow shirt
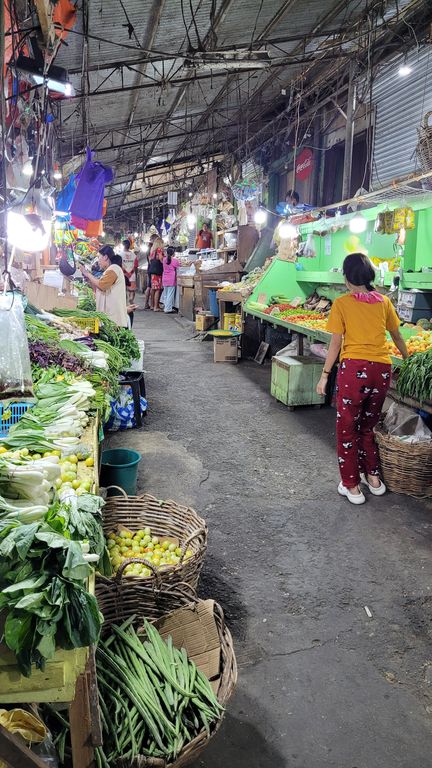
{"x": 358, "y": 322}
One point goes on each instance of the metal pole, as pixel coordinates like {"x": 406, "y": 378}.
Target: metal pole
{"x": 3, "y": 187}
{"x": 349, "y": 134}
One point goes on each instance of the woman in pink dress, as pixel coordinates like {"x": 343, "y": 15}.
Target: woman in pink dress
{"x": 169, "y": 279}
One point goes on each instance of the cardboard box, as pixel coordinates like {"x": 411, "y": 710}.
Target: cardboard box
{"x": 203, "y": 322}
{"x": 195, "y": 630}
{"x": 46, "y": 297}
{"x": 225, "y": 350}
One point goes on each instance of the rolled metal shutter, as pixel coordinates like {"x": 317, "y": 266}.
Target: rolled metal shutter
{"x": 400, "y": 103}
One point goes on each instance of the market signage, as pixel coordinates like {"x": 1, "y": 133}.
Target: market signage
{"x": 304, "y": 164}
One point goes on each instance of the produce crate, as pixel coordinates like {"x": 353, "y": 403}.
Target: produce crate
{"x": 91, "y": 324}
{"x": 56, "y": 683}
{"x": 10, "y": 414}
{"x": 294, "y": 380}
{"x": 122, "y": 596}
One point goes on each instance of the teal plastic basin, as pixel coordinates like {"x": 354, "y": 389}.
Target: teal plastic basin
{"x": 119, "y": 466}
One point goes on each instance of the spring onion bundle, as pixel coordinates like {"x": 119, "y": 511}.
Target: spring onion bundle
{"x": 415, "y": 377}
{"x": 57, "y": 420}
{"x": 153, "y": 698}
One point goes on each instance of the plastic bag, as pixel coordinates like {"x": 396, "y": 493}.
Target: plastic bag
{"x": 292, "y": 349}
{"x": 402, "y": 422}
{"x": 15, "y": 368}
{"x": 23, "y": 723}
{"x": 122, "y": 414}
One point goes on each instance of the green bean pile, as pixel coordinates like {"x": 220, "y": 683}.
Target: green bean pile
{"x": 153, "y": 699}
{"x": 415, "y": 377}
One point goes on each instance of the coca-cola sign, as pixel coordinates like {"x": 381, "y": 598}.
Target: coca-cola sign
{"x": 304, "y": 164}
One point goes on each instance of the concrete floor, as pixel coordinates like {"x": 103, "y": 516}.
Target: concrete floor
{"x": 321, "y": 685}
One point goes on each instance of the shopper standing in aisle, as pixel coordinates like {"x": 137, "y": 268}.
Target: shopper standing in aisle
{"x": 155, "y": 271}
{"x": 358, "y": 323}
{"x": 130, "y": 266}
{"x": 204, "y": 238}
{"x": 110, "y": 289}
{"x": 169, "y": 279}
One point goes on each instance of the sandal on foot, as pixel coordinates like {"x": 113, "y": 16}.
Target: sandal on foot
{"x": 354, "y": 498}
{"x": 379, "y": 491}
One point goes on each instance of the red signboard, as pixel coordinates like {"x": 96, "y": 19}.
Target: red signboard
{"x": 304, "y": 164}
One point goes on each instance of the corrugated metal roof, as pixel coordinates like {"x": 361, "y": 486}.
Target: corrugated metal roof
{"x": 131, "y": 114}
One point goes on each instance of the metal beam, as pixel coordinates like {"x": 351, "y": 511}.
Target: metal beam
{"x": 147, "y": 43}
{"x": 220, "y": 16}
{"x": 272, "y": 23}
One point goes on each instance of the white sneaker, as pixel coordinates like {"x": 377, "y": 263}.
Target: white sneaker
{"x": 380, "y": 491}
{"x": 354, "y": 498}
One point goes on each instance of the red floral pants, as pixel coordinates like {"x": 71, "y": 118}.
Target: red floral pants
{"x": 360, "y": 393}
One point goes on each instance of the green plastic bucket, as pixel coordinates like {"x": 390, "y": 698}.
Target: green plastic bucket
{"x": 119, "y": 467}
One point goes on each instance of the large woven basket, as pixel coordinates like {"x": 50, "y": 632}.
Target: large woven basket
{"x": 406, "y": 467}
{"x": 122, "y": 596}
{"x": 226, "y": 685}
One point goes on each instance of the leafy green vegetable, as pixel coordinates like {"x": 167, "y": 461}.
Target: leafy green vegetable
{"x": 415, "y": 377}
{"x": 45, "y": 598}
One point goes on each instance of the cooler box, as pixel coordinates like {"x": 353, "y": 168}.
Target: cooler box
{"x": 294, "y": 380}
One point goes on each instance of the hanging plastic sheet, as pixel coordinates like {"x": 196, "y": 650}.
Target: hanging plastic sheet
{"x": 88, "y": 199}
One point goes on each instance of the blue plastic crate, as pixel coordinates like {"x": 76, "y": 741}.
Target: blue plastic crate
{"x": 10, "y": 414}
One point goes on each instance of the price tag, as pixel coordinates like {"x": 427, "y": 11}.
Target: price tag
{"x": 262, "y": 298}
{"x": 327, "y": 245}
{"x": 323, "y": 304}
{"x": 296, "y": 302}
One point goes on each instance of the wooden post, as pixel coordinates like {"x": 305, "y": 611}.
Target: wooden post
{"x": 349, "y": 135}
{"x": 14, "y": 752}
{"x": 81, "y": 726}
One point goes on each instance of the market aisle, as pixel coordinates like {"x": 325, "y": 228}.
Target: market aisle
{"x": 320, "y": 684}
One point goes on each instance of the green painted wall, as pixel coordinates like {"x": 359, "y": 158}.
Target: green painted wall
{"x": 301, "y": 278}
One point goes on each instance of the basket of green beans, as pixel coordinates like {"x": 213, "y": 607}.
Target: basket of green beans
{"x": 158, "y": 708}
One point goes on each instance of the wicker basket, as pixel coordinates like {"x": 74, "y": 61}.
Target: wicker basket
{"x": 122, "y": 596}
{"x": 406, "y": 467}
{"x": 424, "y": 145}
{"x": 227, "y": 682}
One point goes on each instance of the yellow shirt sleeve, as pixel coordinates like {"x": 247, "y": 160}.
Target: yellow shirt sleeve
{"x": 392, "y": 320}
{"x": 335, "y": 322}
{"x": 107, "y": 280}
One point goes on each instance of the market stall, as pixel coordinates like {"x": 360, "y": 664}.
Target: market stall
{"x": 57, "y": 541}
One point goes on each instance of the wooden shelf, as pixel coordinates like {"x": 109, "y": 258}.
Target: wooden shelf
{"x": 221, "y": 232}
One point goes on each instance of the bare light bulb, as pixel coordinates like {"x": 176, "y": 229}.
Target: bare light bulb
{"x": 358, "y": 224}
{"x": 191, "y": 220}
{"x": 404, "y": 70}
{"x": 287, "y": 231}
{"x": 28, "y": 168}
{"x": 260, "y": 216}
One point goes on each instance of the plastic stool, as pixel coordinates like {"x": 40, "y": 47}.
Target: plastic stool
{"x": 137, "y": 383}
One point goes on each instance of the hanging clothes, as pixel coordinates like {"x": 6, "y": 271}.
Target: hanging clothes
{"x": 65, "y": 197}
{"x": 88, "y": 199}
